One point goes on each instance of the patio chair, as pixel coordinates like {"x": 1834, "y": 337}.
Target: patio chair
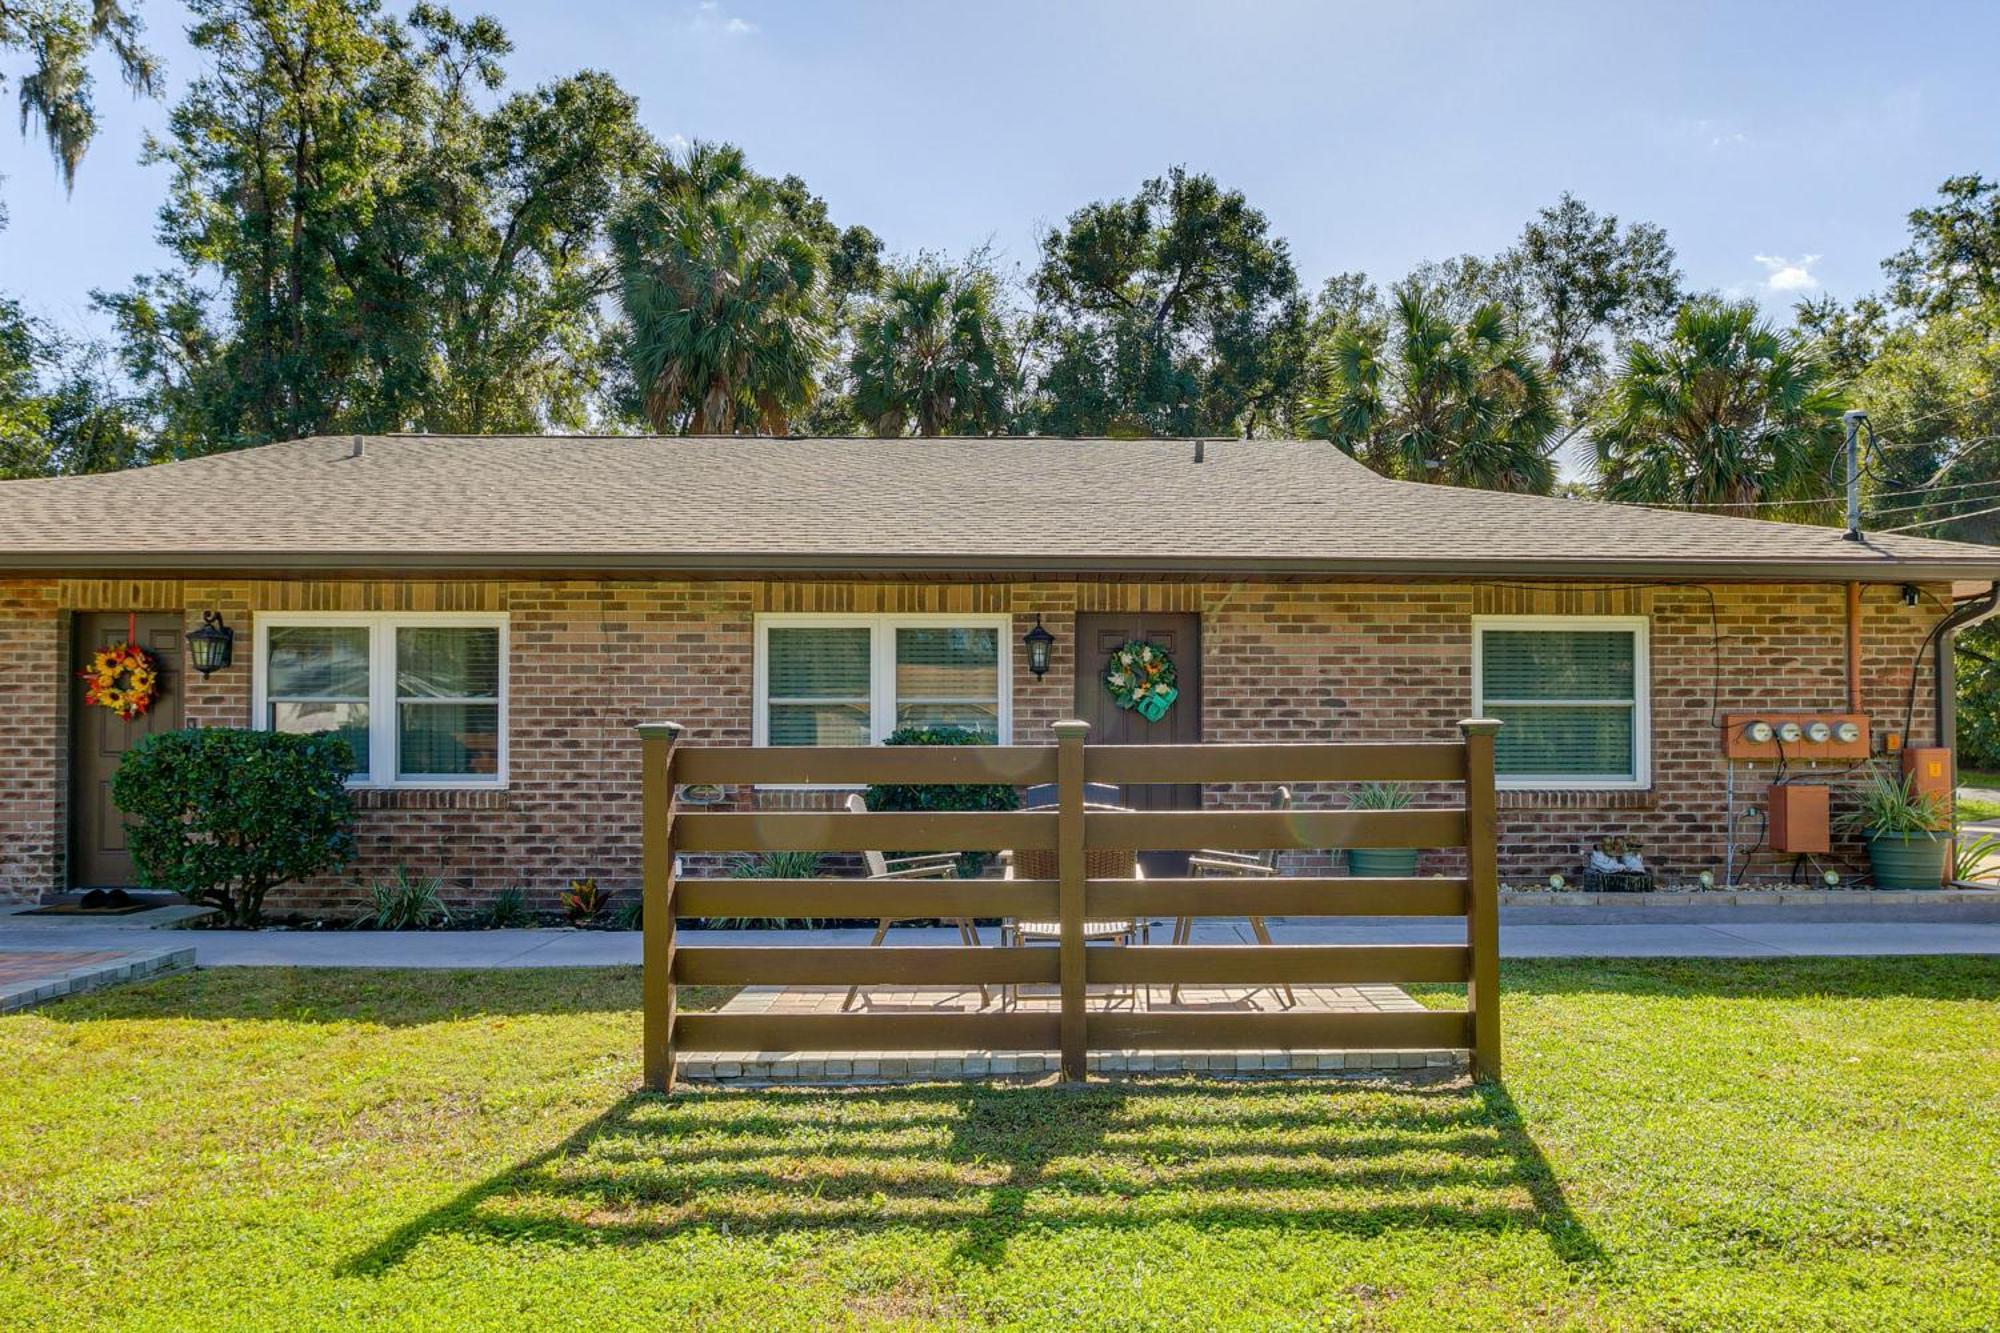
{"x": 1210, "y": 862}
{"x": 928, "y": 865}
{"x": 1099, "y": 863}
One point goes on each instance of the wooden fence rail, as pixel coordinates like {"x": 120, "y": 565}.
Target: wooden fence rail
{"x": 1070, "y": 832}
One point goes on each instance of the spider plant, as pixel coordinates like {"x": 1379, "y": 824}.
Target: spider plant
{"x": 1886, "y": 806}
{"x": 406, "y": 902}
{"x": 1381, "y": 796}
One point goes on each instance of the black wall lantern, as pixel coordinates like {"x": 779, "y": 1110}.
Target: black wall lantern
{"x": 1038, "y": 641}
{"x": 209, "y": 647}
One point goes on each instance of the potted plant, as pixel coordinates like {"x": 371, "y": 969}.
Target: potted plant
{"x": 1373, "y": 862}
{"x": 1907, "y": 832}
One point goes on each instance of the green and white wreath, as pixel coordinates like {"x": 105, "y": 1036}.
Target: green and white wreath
{"x": 1141, "y": 678}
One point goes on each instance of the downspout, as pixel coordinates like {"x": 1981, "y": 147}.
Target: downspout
{"x": 1853, "y": 647}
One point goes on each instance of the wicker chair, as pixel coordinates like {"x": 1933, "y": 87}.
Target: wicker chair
{"x": 1098, "y": 863}
{"x": 931, "y": 865}
{"x": 1260, "y": 865}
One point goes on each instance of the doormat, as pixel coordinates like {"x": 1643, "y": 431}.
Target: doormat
{"x": 98, "y": 902}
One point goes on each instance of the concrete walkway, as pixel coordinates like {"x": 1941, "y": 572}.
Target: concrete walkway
{"x": 570, "y": 948}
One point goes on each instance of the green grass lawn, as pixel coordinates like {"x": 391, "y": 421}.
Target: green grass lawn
{"x": 1972, "y": 808}
{"x": 1774, "y": 1144}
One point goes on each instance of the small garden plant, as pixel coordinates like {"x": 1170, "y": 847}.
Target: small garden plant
{"x": 772, "y": 865}
{"x": 222, "y": 815}
{"x": 508, "y": 911}
{"x": 1885, "y": 805}
{"x": 584, "y": 903}
{"x": 406, "y": 902}
{"x": 1381, "y": 796}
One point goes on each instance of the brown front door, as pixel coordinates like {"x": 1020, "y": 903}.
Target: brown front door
{"x": 100, "y": 738}
{"x": 1098, "y": 636}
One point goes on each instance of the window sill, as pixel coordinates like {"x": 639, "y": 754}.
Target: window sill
{"x": 1575, "y": 798}
{"x": 430, "y": 798}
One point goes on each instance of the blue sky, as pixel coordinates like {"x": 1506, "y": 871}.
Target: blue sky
{"x": 1780, "y": 145}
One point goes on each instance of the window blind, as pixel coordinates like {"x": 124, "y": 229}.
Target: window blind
{"x": 818, "y": 684}
{"x": 949, "y": 677}
{"x": 447, "y": 701}
{"x": 1567, "y": 698}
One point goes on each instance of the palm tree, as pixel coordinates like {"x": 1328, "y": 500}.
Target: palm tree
{"x": 1725, "y": 410}
{"x": 722, "y": 295}
{"x": 931, "y": 349}
{"x": 1431, "y": 399}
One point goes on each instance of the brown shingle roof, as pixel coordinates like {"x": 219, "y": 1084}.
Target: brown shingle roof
{"x": 544, "y": 502}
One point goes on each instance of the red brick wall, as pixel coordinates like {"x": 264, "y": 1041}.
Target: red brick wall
{"x": 1280, "y": 661}
{"x": 34, "y": 729}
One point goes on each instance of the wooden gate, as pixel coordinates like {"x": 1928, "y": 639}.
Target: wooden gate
{"x": 1070, "y": 831}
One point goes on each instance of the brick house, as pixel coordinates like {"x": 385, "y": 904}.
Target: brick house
{"x": 486, "y": 619}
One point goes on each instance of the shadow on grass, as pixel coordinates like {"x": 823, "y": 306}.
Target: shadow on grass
{"x": 991, "y": 1162}
{"x": 1945, "y": 977}
{"x": 378, "y": 997}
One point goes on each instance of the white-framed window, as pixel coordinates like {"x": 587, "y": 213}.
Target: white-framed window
{"x": 420, "y": 699}
{"x": 853, "y": 679}
{"x": 1574, "y": 694}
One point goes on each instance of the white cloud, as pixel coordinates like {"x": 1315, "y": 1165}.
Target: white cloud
{"x": 1715, "y": 135}
{"x": 1789, "y": 275}
{"x": 708, "y": 16}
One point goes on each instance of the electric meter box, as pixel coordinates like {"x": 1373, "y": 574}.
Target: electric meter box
{"x": 1801, "y": 818}
{"x": 1842, "y": 736}
{"x": 1927, "y": 769}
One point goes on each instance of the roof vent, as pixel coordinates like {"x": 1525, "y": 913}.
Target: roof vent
{"x": 360, "y": 445}
{"x": 1200, "y": 449}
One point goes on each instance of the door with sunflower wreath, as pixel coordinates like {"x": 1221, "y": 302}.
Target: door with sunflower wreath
{"x": 99, "y": 739}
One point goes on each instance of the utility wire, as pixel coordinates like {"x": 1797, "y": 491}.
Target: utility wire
{"x": 1895, "y": 494}
{"x": 1937, "y": 412}
{"x": 1926, "y": 504}
{"x": 1933, "y": 522}
{"x": 1735, "y": 504}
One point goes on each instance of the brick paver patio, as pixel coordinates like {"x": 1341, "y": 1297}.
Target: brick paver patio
{"x": 890, "y": 1066}
{"x": 32, "y": 976}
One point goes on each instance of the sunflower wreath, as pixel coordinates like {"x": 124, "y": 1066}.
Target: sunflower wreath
{"x": 124, "y": 678}
{"x": 1142, "y": 678}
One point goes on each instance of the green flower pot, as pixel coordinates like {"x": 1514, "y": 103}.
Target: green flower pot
{"x": 1907, "y": 860}
{"x": 1381, "y": 862}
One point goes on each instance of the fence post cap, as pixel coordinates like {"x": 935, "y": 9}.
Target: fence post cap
{"x": 660, "y": 731}
{"x": 1480, "y": 726}
{"x": 1070, "y": 727}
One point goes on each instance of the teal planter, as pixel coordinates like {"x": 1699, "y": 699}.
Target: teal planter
{"x": 1381, "y": 862}
{"x": 1907, "y": 860}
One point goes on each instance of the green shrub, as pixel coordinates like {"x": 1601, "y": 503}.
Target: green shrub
{"x": 407, "y": 902}
{"x": 944, "y": 795}
{"x": 1978, "y": 661}
{"x": 222, "y": 815}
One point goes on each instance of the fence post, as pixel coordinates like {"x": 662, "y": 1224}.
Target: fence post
{"x": 1482, "y": 906}
{"x": 656, "y": 814}
{"x": 1070, "y": 869}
